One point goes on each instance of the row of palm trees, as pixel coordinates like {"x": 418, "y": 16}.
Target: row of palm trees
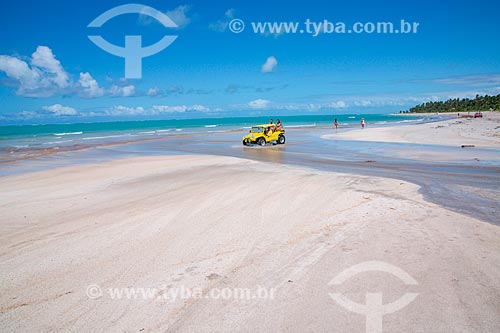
{"x": 480, "y": 103}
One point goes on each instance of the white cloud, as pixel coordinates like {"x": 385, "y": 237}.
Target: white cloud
{"x": 128, "y": 90}
{"x": 44, "y": 59}
{"x": 89, "y": 86}
{"x": 28, "y": 115}
{"x": 199, "y": 108}
{"x": 169, "y": 108}
{"x": 221, "y": 25}
{"x": 487, "y": 79}
{"x": 120, "y": 110}
{"x": 314, "y": 106}
{"x": 258, "y": 103}
{"x": 229, "y": 13}
{"x": 270, "y": 65}
{"x": 179, "y": 15}
{"x": 125, "y": 110}
{"x": 154, "y": 91}
{"x": 363, "y": 103}
{"x": 20, "y": 71}
{"x": 179, "y": 108}
{"x": 336, "y": 105}
{"x": 44, "y": 78}
{"x": 60, "y": 110}
{"x": 124, "y": 91}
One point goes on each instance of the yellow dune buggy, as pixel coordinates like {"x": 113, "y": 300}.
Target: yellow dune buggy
{"x": 262, "y": 134}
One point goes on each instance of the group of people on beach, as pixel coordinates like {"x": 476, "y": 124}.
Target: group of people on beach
{"x": 336, "y": 123}
{"x": 276, "y": 127}
{"x": 279, "y": 126}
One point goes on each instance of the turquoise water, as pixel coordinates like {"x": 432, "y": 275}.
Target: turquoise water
{"x": 55, "y": 135}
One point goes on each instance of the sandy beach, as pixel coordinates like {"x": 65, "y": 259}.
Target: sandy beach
{"x": 480, "y": 132}
{"x": 70, "y": 235}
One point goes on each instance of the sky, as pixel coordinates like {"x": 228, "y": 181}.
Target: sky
{"x": 51, "y": 72}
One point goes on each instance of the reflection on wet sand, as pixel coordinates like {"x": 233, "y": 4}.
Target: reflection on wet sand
{"x": 271, "y": 153}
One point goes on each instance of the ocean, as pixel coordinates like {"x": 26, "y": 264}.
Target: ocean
{"x": 24, "y": 137}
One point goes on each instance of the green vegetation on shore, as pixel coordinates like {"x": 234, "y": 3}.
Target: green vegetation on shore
{"x": 480, "y": 103}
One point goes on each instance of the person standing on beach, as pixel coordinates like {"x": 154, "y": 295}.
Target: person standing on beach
{"x": 271, "y": 121}
{"x": 335, "y": 124}
{"x": 362, "y": 122}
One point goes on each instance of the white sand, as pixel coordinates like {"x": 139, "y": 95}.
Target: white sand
{"x": 481, "y": 132}
{"x": 217, "y": 222}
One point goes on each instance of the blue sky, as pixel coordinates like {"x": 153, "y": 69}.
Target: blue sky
{"x": 51, "y": 72}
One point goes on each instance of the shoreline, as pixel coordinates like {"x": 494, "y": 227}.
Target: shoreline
{"x": 12, "y": 154}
